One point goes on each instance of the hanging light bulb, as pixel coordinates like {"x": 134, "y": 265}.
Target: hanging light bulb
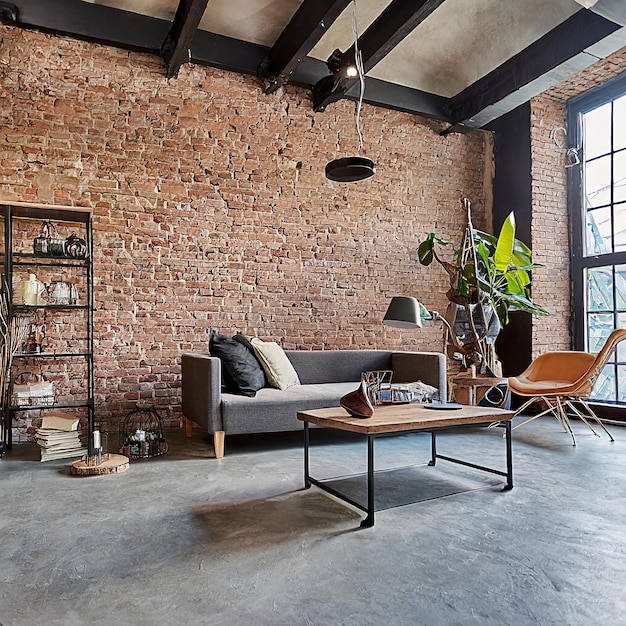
{"x": 354, "y": 168}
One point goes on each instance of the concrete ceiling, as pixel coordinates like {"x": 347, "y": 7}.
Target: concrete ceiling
{"x": 462, "y": 61}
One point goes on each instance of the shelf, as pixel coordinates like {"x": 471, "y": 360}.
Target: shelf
{"x": 27, "y": 307}
{"x": 23, "y": 223}
{"x": 46, "y": 407}
{"x": 29, "y": 259}
{"x": 52, "y": 355}
{"x": 55, "y": 213}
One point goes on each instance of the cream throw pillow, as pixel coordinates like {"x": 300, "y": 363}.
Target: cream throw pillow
{"x": 277, "y": 366}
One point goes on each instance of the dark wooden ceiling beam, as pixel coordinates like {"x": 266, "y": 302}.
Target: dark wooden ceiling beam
{"x": 307, "y": 26}
{"x": 176, "y": 49}
{"x": 93, "y": 22}
{"x": 397, "y": 21}
{"x": 580, "y": 31}
{"x": 132, "y": 31}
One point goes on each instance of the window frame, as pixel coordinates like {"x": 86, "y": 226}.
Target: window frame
{"x": 576, "y": 108}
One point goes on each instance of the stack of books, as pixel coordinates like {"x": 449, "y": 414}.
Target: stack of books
{"x": 58, "y": 437}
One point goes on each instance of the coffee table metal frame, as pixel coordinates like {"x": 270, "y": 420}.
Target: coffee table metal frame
{"x": 368, "y": 522}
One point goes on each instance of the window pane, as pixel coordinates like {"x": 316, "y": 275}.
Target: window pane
{"x": 599, "y": 327}
{"x": 600, "y": 289}
{"x": 597, "y": 129}
{"x": 619, "y": 176}
{"x": 599, "y": 235}
{"x": 620, "y": 289}
{"x": 604, "y": 389}
{"x": 619, "y": 217}
{"x": 621, "y": 374}
{"x": 598, "y": 182}
{"x": 621, "y": 346}
{"x": 619, "y": 123}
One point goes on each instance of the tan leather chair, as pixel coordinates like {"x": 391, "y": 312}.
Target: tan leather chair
{"x": 562, "y": 380}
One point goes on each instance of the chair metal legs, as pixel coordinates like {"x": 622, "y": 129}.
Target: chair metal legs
{"x": 558, "y": 406}
{"x": 551, "y": 409}
{"x": 590, "y": 413}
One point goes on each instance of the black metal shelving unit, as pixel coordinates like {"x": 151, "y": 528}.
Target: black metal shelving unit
{"x": 12, "y": 259}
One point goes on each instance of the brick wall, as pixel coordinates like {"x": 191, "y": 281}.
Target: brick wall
{"x": 551, "y": 225}
{"x": 550, "y": 228}
{"x": 211, "y": 207}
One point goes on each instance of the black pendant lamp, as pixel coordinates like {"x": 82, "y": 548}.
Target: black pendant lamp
{"x": 353, "y": 168}
{"x": 350, "y": 169}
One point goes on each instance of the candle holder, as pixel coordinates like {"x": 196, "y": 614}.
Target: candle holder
{"x": 100, "y": 441}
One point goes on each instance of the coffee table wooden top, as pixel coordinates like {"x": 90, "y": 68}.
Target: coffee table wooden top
{"x": 392, "y": 418}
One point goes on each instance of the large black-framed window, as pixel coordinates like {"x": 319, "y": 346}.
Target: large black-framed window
{"x": 597, "y": 196}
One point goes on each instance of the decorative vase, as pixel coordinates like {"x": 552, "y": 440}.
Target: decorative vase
{"x": 357, "y": 403}
{"x": 33, "y": 291}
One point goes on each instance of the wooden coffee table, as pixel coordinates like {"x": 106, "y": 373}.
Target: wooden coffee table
{"x": 400, "y": 419}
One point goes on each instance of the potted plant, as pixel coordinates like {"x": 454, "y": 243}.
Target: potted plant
{"x": 489, "y": 276}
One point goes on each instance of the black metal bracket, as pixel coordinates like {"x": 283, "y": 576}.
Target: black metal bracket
{"x": 9, "y": 13}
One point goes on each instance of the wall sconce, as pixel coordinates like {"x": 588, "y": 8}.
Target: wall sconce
{"x": 571, "y": 154}
{"x": 572, "y": 157}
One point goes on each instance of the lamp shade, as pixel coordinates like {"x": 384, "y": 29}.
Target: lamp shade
{"x": 350, "y": 169}
{"x": 403, "y": 312}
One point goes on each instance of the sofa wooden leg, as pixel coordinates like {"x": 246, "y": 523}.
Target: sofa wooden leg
{"x": 218, "y": 443}
{"x": 188, "y": 427}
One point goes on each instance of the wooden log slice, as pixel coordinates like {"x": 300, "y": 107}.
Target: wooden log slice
{"x": 115, "y": 464}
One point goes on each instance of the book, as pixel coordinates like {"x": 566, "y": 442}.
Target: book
{"x": 63, "y": 443}
{"x": 50, "y": 433}
{"x": 50, "y": 455}
{"x": 59, "y": 420}
{"x": 53, "y": 432}
{"x": 59, "y": 443}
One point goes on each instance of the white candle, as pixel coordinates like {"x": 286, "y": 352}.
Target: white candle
{"x": 96, "y": 439}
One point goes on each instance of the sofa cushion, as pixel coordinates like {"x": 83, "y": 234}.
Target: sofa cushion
{"x": 278, "y": 368}
{"x": 273, "y": 410}
{"x": 240, "y": 369}
{"x": 327, "y": 366}
{"x": 242, "y": 339}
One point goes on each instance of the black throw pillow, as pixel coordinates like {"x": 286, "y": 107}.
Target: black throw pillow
{"x": 244, "y": 340}
{"x": 241, "y": 371}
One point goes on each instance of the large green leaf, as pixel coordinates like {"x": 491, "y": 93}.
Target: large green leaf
{"x": 425, "y": 252}
{"x": 504, "y": 247}
{"x": 499, "y": 276}
{"x": 426, "y": 249}
{"x": 521, "y": 303}
{"x": 522, "y": 254}
{"x": 522, "y": 276}
{"x": 514, "y": 285}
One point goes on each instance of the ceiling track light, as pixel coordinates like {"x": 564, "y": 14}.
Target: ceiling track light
{"x": 353, "y": 168}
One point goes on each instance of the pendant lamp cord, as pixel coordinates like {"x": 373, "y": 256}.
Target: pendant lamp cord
{"x": 358, "y": 59}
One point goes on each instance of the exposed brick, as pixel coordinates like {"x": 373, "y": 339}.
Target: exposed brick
{"x": 211, "y": 208}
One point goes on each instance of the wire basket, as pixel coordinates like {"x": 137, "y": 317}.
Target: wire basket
{"x": 39, "y": 393}
{"x": 378, "y": 383}
{"x": 33, "y": 400}
{"x": 141, "y": 434}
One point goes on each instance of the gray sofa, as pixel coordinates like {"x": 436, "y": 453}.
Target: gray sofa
{"x": 325, "y": 376}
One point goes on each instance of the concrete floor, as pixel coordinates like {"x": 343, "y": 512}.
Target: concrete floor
{"x": 187, "y": 539}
